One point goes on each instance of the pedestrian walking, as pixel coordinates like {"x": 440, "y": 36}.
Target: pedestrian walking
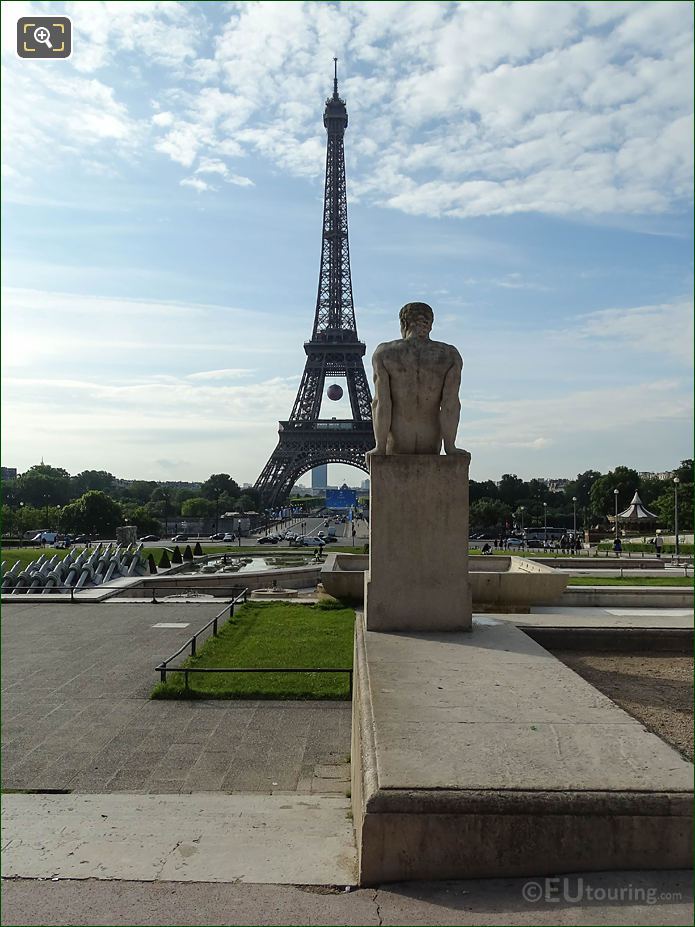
{"x": 617, "y": 547}
{"x": 658, "y": 545}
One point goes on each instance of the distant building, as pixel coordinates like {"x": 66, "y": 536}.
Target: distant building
{"x": 648, "y": 475}
{"x": 319, "y": 477}
{"x": 365, "y": 485}
{"x": 8, "y": 473}
{"x": 555, "y": 485}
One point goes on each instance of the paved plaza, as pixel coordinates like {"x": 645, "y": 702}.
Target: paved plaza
{"x": 77, "y": 714}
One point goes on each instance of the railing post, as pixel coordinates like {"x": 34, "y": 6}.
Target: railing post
{"x": 163, "y": 672}
{"x": 154, "y": 600}
{"x": 185, "y": 679}
{"x": 192, "y": 647}
{"x": 214, "y": 627}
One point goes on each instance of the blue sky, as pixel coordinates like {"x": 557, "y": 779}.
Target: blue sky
{"x": 526, "y": 168}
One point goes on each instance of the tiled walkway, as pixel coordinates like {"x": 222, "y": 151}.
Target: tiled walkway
{"x": 76, "y": 712}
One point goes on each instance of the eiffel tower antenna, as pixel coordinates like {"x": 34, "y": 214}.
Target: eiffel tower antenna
{"x": 305, "y": 439}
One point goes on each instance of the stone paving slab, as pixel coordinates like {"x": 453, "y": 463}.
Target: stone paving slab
{"x": 588, "y": 617}
{"x": 77, "y": 714}
{"x": 194, "y": 838}
{"x": 498, "y": 711}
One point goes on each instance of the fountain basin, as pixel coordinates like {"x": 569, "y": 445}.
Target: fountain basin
{"x": 497, "y": 583}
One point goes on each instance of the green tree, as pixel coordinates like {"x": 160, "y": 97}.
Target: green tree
{"x": 664, "y": 507}
{"x": 483, "y": 490}
{"x": 625, "y": 480}
{"x": 139, "y": 491}
{"x": 44, "y": 485}
{"x": 511, "y": 488}
{"x": 650, "y": 489}
{"x": 160, "y": 502}
{"x": 144, "y": 520}
{"x": 685, "y": 471}
{"x": 92, "y": 479}
{"x": 215, "y": 487}
{"x": 198, "y": 507}
{"x": 217, "y": 484}
{"x": 10, "y": 492}
{"x": 581, "y": 488}
{"x": 246, "y": 503}
{"x": 92, "y": 513}
{"x": 490, "y": 513}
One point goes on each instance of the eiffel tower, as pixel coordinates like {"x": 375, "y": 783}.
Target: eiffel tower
{"x": 306, "y": 440}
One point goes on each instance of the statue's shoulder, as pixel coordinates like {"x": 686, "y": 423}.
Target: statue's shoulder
{"x": 449, "y": 351}
{"x": 387, "y": 348}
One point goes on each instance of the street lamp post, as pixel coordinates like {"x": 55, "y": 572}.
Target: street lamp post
{"x": 545, "y": 525}
{"x": 574, "y": 522}
{"x": 523, "y": 539}
{"x": 615, "y": 496}
{"x": 676, "y": 482}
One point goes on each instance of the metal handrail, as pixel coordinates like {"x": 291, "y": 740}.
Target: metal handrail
{"x": 162, "y": 667}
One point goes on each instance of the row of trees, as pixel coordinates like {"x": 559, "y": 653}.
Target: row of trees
{"x": 92, "y": 501}
{"x": 512, "y": 500}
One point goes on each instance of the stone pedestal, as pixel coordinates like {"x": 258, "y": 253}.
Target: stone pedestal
{"x": 483, "y": 756}
{"x": 418, "y": 544}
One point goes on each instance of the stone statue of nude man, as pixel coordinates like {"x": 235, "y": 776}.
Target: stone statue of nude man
{"x": 416, "y": 403}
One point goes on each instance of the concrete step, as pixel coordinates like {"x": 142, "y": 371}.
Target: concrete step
{"x": 203, "y": 837}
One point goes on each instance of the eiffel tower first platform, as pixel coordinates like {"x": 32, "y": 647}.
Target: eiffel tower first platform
{"x": 305, "y": 440}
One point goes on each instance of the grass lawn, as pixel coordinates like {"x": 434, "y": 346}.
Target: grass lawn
{"x": 27, "y": 554}
{"x": 630, "y": 581}
{"x": 277, "y": 634}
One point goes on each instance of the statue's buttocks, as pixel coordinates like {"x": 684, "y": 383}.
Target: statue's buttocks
{"x": 416, "y": 405}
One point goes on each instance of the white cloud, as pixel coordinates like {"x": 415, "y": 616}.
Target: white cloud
{"x": 665, "y": 329}
{"x": 460, "y": 109}
{"x": 226, "y": 373}
{"x": 200, "y": 186}
{"x": 215, "y": 166}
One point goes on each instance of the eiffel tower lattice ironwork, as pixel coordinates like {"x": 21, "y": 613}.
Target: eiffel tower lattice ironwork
{"x": 306, "y": 440}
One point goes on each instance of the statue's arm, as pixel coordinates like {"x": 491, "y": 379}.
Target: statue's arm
{"x": 381, "y": 404}
{"x": 450, "y": 408}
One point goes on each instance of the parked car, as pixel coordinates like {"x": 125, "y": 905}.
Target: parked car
{"x": 269, "y": 540}
{"x": 217, "y": 537}
{"x": 228, "y": 537}
{"x": 180, "y": 537}
{"x": 81, "y": 539}
{"x": 312, "y": 542}
{"x": 514, "y": 543}
{"x": 331, "y": 539}
{"x": 149, "y": 537}
{"x": 45, "y": 537}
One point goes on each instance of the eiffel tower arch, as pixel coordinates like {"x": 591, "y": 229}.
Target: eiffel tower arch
{"x": 305, "y": 440}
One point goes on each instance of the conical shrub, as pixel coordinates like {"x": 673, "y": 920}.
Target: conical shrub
{"x": 198, "y": 550}
{"x": 164, "y": 561}
{"x": 176, "y": 556}
{"x": 151, "y": 564}
{"x": 188, "y": 553}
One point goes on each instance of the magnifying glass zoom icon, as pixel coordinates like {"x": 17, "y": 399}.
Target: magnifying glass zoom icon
{"x": 43, "y": 36}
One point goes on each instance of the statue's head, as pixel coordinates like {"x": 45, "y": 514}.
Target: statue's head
{"x": 417, "y": 318}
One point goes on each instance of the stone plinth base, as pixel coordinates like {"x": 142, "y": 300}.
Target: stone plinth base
{"x": 482, "y": 755}
{"x": 418, "y": 544}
